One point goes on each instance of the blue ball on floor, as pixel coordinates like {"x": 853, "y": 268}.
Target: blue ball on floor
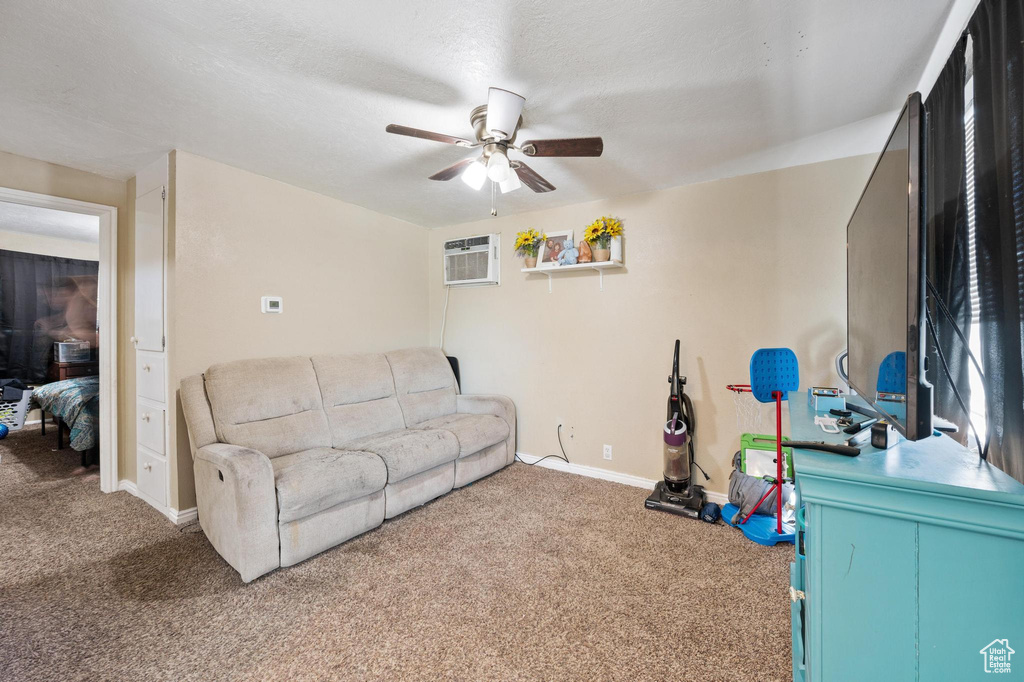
{"x": 3, "y": 431}
{"x": 710, "y": 513}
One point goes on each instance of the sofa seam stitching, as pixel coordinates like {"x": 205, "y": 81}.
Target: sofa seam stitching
{"x": 394, "y": 383}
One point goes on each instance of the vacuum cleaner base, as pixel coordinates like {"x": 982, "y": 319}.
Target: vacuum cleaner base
{"x": 683, "y": 504}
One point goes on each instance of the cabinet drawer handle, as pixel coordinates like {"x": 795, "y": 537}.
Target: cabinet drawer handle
{"x": 145, "y": 368}
{"x": 145, "y": 417}
{"x": 147, "y": 466}
{"x": 134, "y": 340}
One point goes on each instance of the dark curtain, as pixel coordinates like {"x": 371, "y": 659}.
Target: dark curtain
{"x": 948, "y": 264}
{"x": 996, "y": 30}
{"x": 34, "y": 293}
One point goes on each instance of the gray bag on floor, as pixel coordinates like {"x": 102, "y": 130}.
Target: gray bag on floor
{"x": 745, "y": 491}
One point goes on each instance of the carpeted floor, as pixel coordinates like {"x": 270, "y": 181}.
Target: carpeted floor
{"x": 528, "y": 574}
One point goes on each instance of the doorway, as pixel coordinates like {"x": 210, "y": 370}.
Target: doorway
{"x": 77, "y": 288}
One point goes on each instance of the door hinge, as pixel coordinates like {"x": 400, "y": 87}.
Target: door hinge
{"x": 163, "y": 342}
{"x": 795, "y": 594}
{"x": 163, "y": 193}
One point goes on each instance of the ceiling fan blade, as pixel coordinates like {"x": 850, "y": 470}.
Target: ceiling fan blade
{"x": 427, "y": 135}
{"x": 503, "y": 110}
{"x": 452, "y": 171}
{"x": 571, "y": 146}
{"x": 531, "y": 179}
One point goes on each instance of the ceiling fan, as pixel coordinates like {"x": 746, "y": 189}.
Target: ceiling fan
{"x": 495, "y": 125}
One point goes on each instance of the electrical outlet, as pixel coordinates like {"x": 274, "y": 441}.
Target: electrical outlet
{"x": 607, "y": 451}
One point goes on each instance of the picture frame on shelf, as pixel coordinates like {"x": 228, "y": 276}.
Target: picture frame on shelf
{"x": 547, "y": 256}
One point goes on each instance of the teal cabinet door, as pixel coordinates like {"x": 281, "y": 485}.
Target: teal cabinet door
{"x": 972, "y": 593}
{"x": 796, "y": 620}
{"x": 863, "y": 592}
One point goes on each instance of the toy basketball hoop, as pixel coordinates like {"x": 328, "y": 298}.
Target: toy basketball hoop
{"x": 748, "y": 410}
{"x": 773, "y": 373}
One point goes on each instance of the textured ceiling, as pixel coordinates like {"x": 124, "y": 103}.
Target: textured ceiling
{"x": 49, "y": 222}
{"x": 301, "y": 91}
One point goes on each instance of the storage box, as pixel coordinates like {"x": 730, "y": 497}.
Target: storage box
{"x": 822, "y": 399}
{"x": 13, "y": 412}
{"x": 71, "y": 351}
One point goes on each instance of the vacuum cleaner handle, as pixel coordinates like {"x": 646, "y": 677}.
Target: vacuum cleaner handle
{"x": 847, "y": 450}
{"x": 674, "y": 378}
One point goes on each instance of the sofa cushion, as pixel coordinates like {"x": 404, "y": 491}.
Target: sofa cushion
{"x": 272, "y": 405}
{"x": 473, "y": 431}
{"x": 359, "y": 395}
{"x": 424, "y": 382}
{"x": 313, "y": 480}
{"x": 408, "y": 452}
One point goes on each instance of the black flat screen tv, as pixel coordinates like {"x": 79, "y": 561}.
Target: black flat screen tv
{"x": 885, "y": 282}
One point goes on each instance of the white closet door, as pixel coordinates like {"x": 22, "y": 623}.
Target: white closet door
{"x": 149, "y": 270}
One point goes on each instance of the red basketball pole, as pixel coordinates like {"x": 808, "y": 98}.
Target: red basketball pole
{"x": 778, "y": 458}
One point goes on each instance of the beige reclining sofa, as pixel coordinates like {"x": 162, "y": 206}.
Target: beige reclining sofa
{"x": 296, "y": 455}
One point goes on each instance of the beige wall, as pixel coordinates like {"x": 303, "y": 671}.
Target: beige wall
{"x": 31, "y": 175}
{"x": 731, "y": 259}
{"x": 26, "y": 242}
{"x": 352, "y": 279}
{"x": 726, "y": 266}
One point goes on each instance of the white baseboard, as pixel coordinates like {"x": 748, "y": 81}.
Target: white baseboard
{"x": 721, "y": 499}
{"x": 175, "y": 516}
{"x": 589, "y": 471}
{"x": 606, "y": 475}
{"x": 183, "y": 516}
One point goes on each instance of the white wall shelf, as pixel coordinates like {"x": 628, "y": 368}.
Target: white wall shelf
{"x": 599, "y": 267}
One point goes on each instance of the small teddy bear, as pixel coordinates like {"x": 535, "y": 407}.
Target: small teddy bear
{"x": 569, "y": 254}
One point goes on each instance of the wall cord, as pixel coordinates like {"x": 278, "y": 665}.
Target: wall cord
{"x": 983, "y": 450}
{"x": 967, "y": 346}
{"x": 563, "y": 456}
{"x": 941, "y": 305}
{"x": 444, "y": 315}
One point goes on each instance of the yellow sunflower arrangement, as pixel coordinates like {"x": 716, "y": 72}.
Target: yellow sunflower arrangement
{"x": 527, "y": 242}
{"x": 602, "y": 230}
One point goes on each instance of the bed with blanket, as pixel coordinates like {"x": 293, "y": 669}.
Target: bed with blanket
{"x": 76, "y": 403}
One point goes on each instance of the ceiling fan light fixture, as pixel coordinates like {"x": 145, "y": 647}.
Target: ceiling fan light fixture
{"x": 511, "y": 184}
{"x": 498, "y": 167}
{"x": 503, "y": 110}
{"x": 475, "y": 174}
{"x": 495, "y": 127}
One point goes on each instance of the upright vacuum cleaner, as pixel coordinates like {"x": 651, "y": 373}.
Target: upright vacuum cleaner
{"x": 677, "y": 493}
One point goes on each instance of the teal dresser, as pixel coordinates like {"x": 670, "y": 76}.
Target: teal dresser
{"x": 911, "y": 563}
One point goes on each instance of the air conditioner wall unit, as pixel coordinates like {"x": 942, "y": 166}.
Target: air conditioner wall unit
{"x": 472, "y": 261}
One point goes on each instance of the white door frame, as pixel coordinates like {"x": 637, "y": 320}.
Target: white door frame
{"x": 107, "y": 313}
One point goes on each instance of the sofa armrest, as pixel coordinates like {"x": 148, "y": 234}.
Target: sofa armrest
{"x": 497, "y": 405}
{"x": 237, "y": 504}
